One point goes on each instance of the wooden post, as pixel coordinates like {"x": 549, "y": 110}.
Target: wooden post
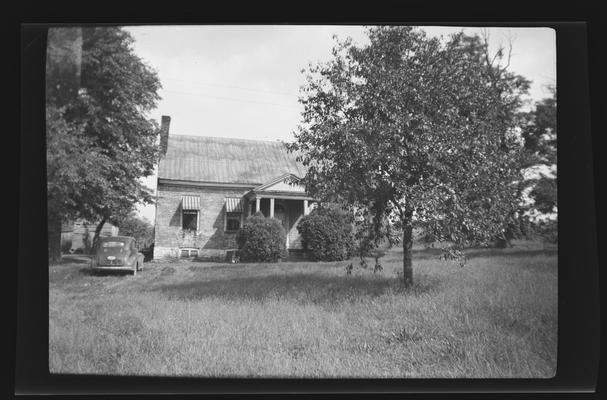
{"x": 272, "y": 207}
{"x": 305, "y": 207}
{"x": 257, "y": 204}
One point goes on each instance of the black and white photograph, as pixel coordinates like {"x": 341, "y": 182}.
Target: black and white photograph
{"x": 302, "y": 201}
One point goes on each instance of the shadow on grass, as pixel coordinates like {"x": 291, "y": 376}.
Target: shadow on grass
{"x": 435, "y": 253}
{"x": 510, "y": 252}
{"x": 92, "y": 272}
{"x": 70, "y": 259}
{"x": 223, "y": 263}
{"x": 302, "y": 288}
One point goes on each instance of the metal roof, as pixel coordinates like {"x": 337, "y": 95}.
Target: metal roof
{"x": 224, "y": 160}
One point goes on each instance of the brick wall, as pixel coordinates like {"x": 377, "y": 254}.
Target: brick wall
{"x": 210, "y": 239}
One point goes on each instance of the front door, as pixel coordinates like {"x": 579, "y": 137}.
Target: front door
{"x": 280, "y": 213}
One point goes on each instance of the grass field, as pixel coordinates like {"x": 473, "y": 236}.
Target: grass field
{"x": 495, "y": 317}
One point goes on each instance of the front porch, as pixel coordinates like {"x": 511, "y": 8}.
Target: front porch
{"x": 284, "y": 208}
{"x": 284, "y": 199}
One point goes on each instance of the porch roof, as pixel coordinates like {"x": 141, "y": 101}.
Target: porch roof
{"x": 262, "y": 194}
{"x": 282, "y": 187}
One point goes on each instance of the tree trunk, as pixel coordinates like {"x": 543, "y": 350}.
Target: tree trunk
{"x": 407, "y": 246}
{"x": 54, "y": 239}
{"x": 97, "y": 233}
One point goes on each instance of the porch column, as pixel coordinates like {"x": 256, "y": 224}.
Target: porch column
{"x": 272, "y": 207}
{"x": 306, "y": 207}
{"x": 257, "y": 204}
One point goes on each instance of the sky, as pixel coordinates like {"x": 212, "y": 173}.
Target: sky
{"x": 242, "y": 81}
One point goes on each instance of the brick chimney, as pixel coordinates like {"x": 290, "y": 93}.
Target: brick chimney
{"x": 165, "y": 122}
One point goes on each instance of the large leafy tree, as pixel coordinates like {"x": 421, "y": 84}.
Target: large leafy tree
{"x": 539, "y": 131}
{"x": 539, "y": 134}
{"x": 140, "y": 229}
{"x": 537, "y": 190}
{"x": 100, "y": 141}
{"x": 414, "y": 129}
{"x": 539, "y": 166}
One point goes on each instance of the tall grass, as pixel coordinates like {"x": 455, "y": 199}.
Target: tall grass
{"x": 495, "y": 317}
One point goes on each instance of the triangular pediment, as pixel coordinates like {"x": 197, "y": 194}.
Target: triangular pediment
{"x": 283, "y": 183}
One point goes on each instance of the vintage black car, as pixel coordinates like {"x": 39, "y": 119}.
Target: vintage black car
{"x": 117, "y": 253}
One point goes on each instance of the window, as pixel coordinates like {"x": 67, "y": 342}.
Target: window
{"x": 233, "y": 213}
{"x": 189, "y": 220}
{"x": 186, "y": 253}
{"x": 233, "y": 221}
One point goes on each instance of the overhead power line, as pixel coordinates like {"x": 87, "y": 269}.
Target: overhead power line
{"x": 233, "y": 87}
{"x": 230, "y": 99}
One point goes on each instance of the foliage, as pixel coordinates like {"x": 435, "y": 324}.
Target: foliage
{"x": 414, "y": 128}
{"x": 538, "y": 130}
{"x": 140, "y": 229}
{"x": 450, "y": 253}
{"x": 548, "y": 230}
{"x": 99, "y": 139}
{"x": 428, "y": 239}
{"x": 544, "y": 194}
{"x": 327, "y": 234}
{"x": 540, "y": 146}
{"x": 261, "y": 239}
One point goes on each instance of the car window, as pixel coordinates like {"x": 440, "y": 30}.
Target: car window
{"x": 112, "y": 244}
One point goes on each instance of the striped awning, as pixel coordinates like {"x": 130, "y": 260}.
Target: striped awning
{"x": 234, "y": 204}
{"x": 190, "y": 202}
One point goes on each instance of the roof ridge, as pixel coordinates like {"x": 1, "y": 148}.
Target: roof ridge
{"x": 277, "y": 141}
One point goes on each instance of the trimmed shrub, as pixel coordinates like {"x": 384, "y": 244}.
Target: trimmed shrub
{"x": 261, "y": 239}
{"x": 327, "y": 234}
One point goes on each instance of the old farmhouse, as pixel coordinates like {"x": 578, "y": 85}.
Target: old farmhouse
{"x": 207, "y": 186}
